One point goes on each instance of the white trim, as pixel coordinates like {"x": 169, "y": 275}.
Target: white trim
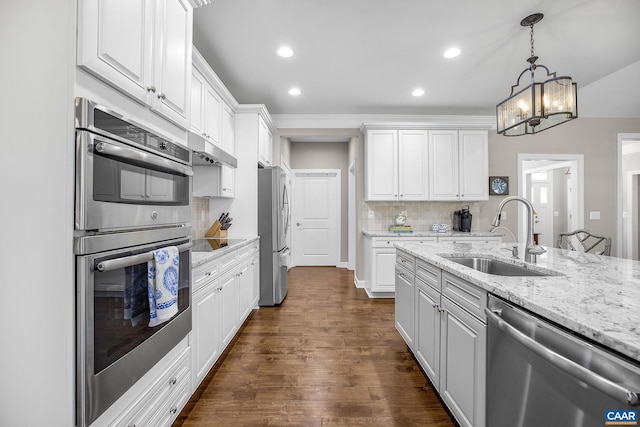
{"x": 360, "y": 284}
{"x": 619, "y": 179}
{"x": 351, "y": 217}
{"x": 260, "y": 109}
{"x": 522, "y": 157}
{"x": 342, "y": 121}
{"x": 342, "y": 265}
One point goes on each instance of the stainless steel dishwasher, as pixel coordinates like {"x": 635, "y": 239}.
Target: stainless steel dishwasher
{"x": 540, "y": 375}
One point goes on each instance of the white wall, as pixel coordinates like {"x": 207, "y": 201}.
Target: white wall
{"x": 36, "y": 170}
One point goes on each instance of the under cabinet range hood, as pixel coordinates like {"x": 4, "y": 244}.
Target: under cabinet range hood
{"x": 208, "y": 154}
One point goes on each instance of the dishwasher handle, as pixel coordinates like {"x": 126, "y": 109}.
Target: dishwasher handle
{"x": 600, "y": 383}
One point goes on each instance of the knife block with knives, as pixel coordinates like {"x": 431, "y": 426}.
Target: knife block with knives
{"x": 220, "y": 227}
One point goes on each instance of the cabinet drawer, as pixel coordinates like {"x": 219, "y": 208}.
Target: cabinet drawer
{"x": 228, "y": 260}
{"x": 172, "y": 407}
{"x": 247, "y": 250}
{"x": 406, "y": 261}
{"x": 203, "y": 273}
{"x": 390, "y": 242}
{"x": 465, "y": 294}
{"x": 157, "y": 395}
{"x": 429, "y": 274}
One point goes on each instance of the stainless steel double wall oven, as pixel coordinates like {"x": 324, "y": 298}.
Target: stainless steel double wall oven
{"x": 132, "y": 196}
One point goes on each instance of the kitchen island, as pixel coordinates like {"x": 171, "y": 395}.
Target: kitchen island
{"x": 447, "y": 314}
{"x": 595, "y": 296}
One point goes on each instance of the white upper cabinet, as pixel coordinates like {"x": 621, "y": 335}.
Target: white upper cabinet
{"x": 265, "y": 143}
{"x": 381, "y": 152}
{"x": 212, "y": 115}
{"x": 142, "y": 48}
{"x": 196, "y": 114}
{"x": 396, "y": 164}
{"x": 413, "y": 153}
{"x": 458, "y": 165}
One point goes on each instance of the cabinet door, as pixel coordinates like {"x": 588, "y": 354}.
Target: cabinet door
{"x": 265, "y": 147}
{"x": 404, "y": 305}
{"x": 462, "y": 364}
{"x": 473, "y": 152}
{"x": 172, "y": 58}
{"x": 198, "y": 84}
{"x": 381, "y": 165}
{"x": 227, "y": 182}
{"x": 115, "y": 40}
{"x": 427, "y": 334}
{"x": 443, "y": 165}
{"x": 254, "y": 274}
{"x": 228, "y": 307}
{"x": 228, "y": 123}
{"x": 212, "y": 115}
{"x": 244, "y": 291}
{"x": 413, "y": 166}
{"x": 206, "y": 329}
{"x": 384, "y": 270}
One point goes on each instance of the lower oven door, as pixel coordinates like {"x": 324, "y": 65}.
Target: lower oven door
{"x": 115, "y": 344}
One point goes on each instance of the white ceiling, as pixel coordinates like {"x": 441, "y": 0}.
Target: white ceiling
{"x": 366, "y": 56}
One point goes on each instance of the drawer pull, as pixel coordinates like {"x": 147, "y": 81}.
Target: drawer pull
{"x": 173, "y": 409}
{"x": 172, "y": 381}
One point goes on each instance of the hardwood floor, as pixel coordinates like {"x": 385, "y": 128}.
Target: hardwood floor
{"x": 328, "y": 356}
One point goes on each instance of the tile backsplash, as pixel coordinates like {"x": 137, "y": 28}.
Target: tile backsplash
{"x": 200, "y": 217}
{"x": 420, "y": 215}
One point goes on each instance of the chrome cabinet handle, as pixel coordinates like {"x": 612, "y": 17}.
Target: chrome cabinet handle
{"x": 173, "y": 410}
{"x": 151, "y": 89}
{"x": 172, "y": 381}
{"x": 162, "y": 96}
{"x": 603, "y": 384}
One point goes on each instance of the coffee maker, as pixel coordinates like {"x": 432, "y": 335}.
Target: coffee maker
{"x": 462, "y": 220}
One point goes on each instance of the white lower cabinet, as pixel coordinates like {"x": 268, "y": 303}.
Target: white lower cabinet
{"x": 380, "y": 259}
{"x": 226, "y": 289}
{"x": 160, "y": 404}
{"x": 449, "y": 336}
{"x": 404, "y": 304}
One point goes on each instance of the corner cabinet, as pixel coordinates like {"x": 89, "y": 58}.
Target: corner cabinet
{"x": 142, "y": 48}
{"x": 441, "y": 318}
{"x": 458, "y": 165}
{"x": 396, "y": 165}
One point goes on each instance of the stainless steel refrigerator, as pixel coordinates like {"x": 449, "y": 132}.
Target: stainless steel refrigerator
{"x": 274, "y": 214}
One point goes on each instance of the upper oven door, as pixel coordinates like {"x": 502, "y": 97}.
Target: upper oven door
{"x": 121, "y": 186}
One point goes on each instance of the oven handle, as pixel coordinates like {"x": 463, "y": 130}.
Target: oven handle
{"x": 126, "y": 153}
{"x": 116, "y": 263}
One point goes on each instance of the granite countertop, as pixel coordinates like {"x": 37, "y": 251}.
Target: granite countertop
{"x": 431, "y": 234}
{"x": 202, "y": 256}
{"x": 595, "y": 296}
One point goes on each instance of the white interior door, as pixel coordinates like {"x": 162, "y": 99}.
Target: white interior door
{"x": 316, "y": 217}
{"x": 542, "y": 201}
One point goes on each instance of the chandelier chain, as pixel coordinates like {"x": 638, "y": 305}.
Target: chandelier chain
{"x": 531, "y": 26}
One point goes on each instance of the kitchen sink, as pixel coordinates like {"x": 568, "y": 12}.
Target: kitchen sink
{"x": 497, "y": 267}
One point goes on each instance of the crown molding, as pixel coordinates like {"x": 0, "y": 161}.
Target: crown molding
{"x": 260, "y": 109}
{"x": 382, "y": 121}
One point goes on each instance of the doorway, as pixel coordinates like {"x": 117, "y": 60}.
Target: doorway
{"x": 316, "y": 217}
{"x": 628, "y": 241}
{"x": 554, "y": 183}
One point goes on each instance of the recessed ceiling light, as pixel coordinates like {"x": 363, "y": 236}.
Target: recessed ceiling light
{"x": 452, "y": 52}
{"x": 285, "y": 52}
{"x": 294, "y": 91}
{"x": 417, "y": 92}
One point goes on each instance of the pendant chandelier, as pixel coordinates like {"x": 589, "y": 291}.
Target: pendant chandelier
{"x": 539, "y": 105}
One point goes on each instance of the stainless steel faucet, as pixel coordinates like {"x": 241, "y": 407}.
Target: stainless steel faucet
{"x": 531, "y": 248}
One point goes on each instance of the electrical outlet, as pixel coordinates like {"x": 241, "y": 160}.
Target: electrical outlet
{"x": 594, "y": 215}
{"x": 372, "y": 214}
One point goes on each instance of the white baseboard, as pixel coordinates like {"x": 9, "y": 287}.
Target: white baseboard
{"x": 342, "y": 265}
{"x": 359, "y": 283}
{"x": 379, "y": 294}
